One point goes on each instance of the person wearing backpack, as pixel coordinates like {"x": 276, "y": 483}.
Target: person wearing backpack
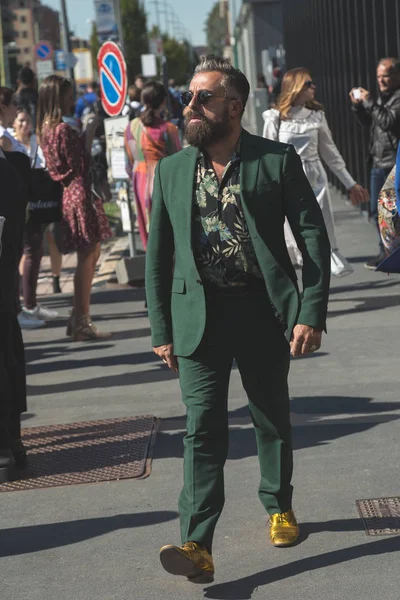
{"x": 85, "y": 103}
{"x": 133, "y": 107}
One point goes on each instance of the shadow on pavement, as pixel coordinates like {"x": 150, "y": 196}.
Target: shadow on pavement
{"x": 243, "y": 588}
{"x": 368, "y": 285}
{"x": 364, "y": 304}
{"x": 101, "y": 361}
{"x": 315, "y": 431}
{"x": 36, "y": 538}
{"x": 161, "y": 373}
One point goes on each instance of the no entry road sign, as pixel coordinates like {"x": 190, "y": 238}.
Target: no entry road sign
{"x": 113, "y": 79}
{"x": 43, "y": 51}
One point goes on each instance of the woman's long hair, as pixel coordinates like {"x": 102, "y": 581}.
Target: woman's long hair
{"x": 292, "y": 85}
{"x": 50, "y": 103}
{"x": 153, "y": 95}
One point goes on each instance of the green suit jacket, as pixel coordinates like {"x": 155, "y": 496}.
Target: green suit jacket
{"x": 273, "y": 186}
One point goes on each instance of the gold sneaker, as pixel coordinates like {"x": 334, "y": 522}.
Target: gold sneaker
{"x": 190, "y": 560}
{"x": 283, "y": 529}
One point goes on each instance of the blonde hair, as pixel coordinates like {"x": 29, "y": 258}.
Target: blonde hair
{"x": 292, "y": 85}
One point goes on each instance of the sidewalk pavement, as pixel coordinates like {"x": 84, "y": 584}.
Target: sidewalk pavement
{"x": 101, "y": 541}
{"x": 111, "y": 252}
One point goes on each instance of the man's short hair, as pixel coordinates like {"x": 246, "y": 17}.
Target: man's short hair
{"x": 233, "y": 79}
{"x": 394, "y": 63}
{"x": 26, "y": 76}
{"x": 94, "y": 85}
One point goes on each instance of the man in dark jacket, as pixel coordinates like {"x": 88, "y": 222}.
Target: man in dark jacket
{"x": 383, "y": 117}
{"x": 14, "y": 175}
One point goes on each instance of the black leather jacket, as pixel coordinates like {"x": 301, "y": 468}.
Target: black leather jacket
{"x": 383, "y": 117}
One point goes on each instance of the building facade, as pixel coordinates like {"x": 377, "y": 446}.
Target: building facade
{"x": 258, "y": 49}
{"x": 33, "y": 22}
{"x": 24, "y": 40}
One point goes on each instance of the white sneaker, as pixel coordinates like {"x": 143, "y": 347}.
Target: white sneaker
{"x": 41, "y": 312}
{"x": 29, "y": 321}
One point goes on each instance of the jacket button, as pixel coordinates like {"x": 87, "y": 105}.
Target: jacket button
{"x": 199, "y": 281}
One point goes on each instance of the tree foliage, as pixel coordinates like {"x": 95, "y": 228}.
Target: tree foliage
{"x": 134, "y": 27}
{"x": 178, "y": 55}
{"x": 94, "y": 45}
{"x": 216, "y": 31}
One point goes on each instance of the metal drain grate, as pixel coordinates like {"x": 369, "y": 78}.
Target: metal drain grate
{"x": 88, "y": 452}
{"x": 381, "y": 516}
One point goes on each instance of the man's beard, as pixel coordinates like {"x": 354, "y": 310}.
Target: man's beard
{"x": 206, "y": 132}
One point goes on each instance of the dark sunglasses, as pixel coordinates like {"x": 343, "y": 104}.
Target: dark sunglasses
{"x": 202, "y": 97}
{"x": 310, "y": 83}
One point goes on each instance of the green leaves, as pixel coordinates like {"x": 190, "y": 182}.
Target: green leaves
{"x": 136, "y": 43}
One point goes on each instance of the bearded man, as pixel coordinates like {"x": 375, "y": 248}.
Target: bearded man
{"x": 220, "y": 286}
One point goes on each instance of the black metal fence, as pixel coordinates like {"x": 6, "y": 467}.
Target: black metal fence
{"x": 342, "y": 41}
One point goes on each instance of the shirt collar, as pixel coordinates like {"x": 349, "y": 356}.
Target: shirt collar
{"x": 235, "y": 158}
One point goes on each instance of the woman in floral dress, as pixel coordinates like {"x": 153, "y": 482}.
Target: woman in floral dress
{"x": 84, "y": 223}
{"x": 148, "y": 139}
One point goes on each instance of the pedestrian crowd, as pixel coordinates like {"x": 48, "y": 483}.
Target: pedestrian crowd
{"x": 55, "y": 182}
{"x": 225, "y": 224}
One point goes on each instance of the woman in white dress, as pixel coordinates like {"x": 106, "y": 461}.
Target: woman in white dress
{"x": 299, "y": 119}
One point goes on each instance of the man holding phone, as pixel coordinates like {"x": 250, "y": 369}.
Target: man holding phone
{"x": 383, "y": 118}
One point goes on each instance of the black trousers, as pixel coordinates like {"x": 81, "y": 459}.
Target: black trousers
{"x": 12, "y": 379}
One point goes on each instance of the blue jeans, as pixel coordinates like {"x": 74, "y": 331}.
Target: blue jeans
{"x": 378, "y": 178}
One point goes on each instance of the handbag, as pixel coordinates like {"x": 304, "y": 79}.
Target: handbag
{"x": 98, "y": 162}
{"x": 388, "y": 214}
{"x": 45, "y": 204}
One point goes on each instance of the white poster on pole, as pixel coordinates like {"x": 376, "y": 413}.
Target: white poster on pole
{"x": 149, "y": 65}
{"x": 44, "y": 68}
{"x": 115, "y": 146}
{"x": 83, "y": 70}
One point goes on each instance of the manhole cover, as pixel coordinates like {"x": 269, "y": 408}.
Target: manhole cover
{"x": 381, "y": 516}
{"x": 88, "y": 452}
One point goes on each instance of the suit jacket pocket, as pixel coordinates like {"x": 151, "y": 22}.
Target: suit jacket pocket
{"x": 178, "y": 285}
{"x": 268, "y": 188}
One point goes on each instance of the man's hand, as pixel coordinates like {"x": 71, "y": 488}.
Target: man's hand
{"x": 166, "y": 353}
{"x": 305, "y": 340}
{"x": 358, "y": 195}
{"x": 364, "y": 95}
{"x": 361, "y": 95}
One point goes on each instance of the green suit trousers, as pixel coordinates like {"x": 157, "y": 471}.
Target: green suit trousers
{"x": 241, "y": 327}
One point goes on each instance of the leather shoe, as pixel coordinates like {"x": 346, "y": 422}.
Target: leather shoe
{"x": 192, "y": 560}
{"x": 19, "y": 453}
{"x": 283, "y": 529}
{"x": 7, "y": 465}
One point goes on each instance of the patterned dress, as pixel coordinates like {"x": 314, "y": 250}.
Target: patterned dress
{"x": 145, "y": 147}
{"x": 84, "y": 222}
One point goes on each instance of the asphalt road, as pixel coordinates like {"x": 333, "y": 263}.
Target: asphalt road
{"x": 101, "y": 541}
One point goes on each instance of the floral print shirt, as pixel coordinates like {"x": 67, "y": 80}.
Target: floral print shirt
{"x": 223, "y": 249}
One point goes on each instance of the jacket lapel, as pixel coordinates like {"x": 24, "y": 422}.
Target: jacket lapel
{"x": 185, "y": 185}
{"x": 250, "y": 164}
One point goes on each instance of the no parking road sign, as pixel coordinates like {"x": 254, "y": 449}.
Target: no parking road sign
{"x": 113, "y": 79}
{"x": 43, "y": 51}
